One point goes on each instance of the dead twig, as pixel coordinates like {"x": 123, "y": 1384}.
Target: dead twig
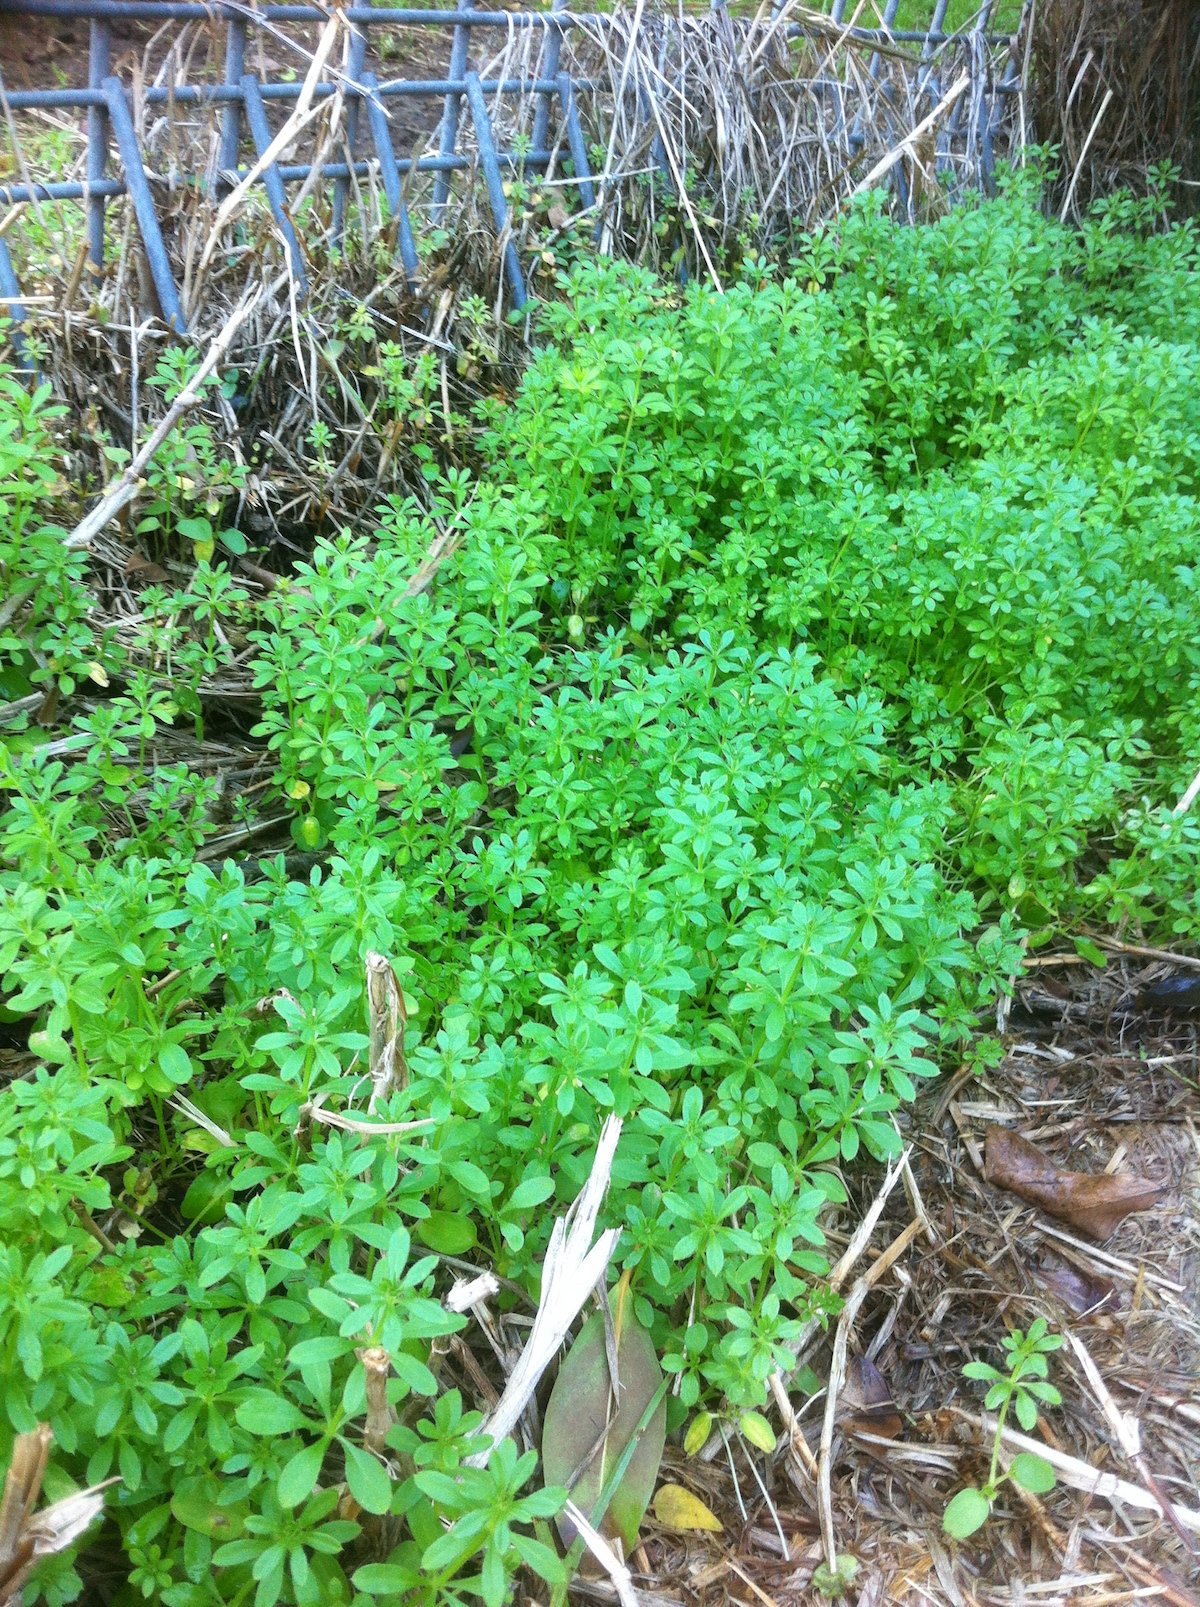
{"x": 905, "y": 147}
{"x": 388, "y": 1018}
{"x": 27, "y": 1535}
{"x": 127, "y": 486}
{"x": 1128, "y": 1434}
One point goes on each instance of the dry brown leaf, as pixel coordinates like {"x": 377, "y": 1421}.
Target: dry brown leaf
{"x": 865, "y": 1405}
{"x": 144, "y": 568}
{"x": 1093, "y": 1203}
{"x": 1084, "y": 1294}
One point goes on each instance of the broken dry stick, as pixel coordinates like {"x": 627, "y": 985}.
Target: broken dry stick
{"x": 388, "y": 1019}
{"x": 123, "y": 491}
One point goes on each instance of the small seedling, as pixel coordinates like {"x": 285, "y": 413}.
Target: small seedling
{"x": 1022, "y": 1387}
{"x": 833, "y": 1583}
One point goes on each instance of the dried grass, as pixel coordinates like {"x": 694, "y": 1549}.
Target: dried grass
{"x": 1116, "y": 91}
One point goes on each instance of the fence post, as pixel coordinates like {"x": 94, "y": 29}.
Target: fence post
{"x": 548, "y": 68}
{"x": 575, "y": 141}
{"x": 143, "y": 205}
{"x": 97, "y": 140}
{"x": 381, "y": 136}
{"x": 978, "y": 50}
{"x": 490, "y": 164}
{"x": 260, "y": 132}
{"x": 460, "y": 52}
{"x": 231, "y": 112}
{"x": 354, "y": 65}
{"x": 11, "y": 306}
{"x": 856, "y": 139}
{"x": 929, "y": 49}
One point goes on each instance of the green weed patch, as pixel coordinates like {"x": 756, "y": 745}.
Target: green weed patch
{"x": 802, "y": 651}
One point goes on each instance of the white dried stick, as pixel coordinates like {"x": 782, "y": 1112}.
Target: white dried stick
{"x": 572, "y": 1269}
{"x": 123, "y": 490}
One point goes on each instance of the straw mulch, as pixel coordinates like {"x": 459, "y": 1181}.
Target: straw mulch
{"x": 1116, "y": 89}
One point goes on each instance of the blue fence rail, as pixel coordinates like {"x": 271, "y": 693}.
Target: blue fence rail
{"x": 243, "y": 98}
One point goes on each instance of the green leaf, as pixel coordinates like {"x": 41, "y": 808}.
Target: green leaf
{"x": 1089, "y": 952}
{"x": 447, "y": 1232}
{"x": 530, "y": 1193}
{"x": 471, "y": 1177}
{"x": 367, "y": 1479}
{"x": 299, "y": 1475}
{"x": 265, "y": 1413}
{"x": 969, "y": 1510}
{"x": 384, "y": 1578}
{"x": 1032, "y": 1473}
{"x": 755, "y": 1428}
{"x": 981, "y": 1370}
{"x": 834, "y": 1582}
{"x": 175, "y": 1063}
{"x": 204, "y": 1202}
{"x": 576, "y": 1417}
{"x": 697, "y": 1435}
{"x": 196, "y": 1507}
{"x": 312, "y": 1352}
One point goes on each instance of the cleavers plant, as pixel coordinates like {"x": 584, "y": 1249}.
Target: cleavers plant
{"x": 799, "y": 652}
{"x": 1022, "y": 1387}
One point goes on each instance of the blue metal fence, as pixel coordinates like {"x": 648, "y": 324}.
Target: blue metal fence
{"x": 243, "y": 98}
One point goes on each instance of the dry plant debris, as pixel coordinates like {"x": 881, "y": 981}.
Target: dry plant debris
{"x": 712, "y": 135}
{"x": 26, "y": 1533}
{"x": 1115, "y": 90}
{"x": 1094, "y": 1204}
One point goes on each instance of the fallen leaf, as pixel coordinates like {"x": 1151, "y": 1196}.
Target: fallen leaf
{"x": 1094, "y": 1203}
{"x": 145, "y": 568}
{"x": 678, "y": 1509}
{"x": 1084, "y": 1294}
{"x": 579, "y": 1430}
{"x": 865, "y": 1405}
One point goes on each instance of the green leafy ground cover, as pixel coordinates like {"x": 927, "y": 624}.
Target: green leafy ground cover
{"x": 812, "y": 643}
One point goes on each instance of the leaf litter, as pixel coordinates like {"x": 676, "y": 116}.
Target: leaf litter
{"x": 1096, "y": 1203}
